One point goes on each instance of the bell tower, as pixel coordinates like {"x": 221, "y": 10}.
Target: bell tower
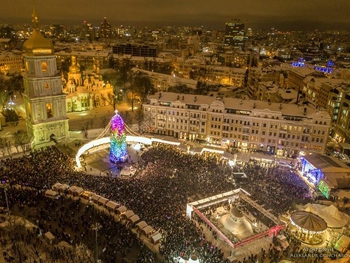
{"x": 45, "y": 103}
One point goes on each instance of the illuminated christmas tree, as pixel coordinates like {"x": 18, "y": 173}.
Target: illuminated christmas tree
{"x": 118, "y": 151}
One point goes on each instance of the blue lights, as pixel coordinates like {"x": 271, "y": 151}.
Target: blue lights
{"x": 118, "y": 149}
{"x": 300, "y": 63}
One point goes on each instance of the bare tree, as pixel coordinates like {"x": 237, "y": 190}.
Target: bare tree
{"x": 146, "y": 123}
{"x": 21, "y": 139}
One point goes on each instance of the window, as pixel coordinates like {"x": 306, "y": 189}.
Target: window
{"x": 49, "y": 113}
{"x": 44, "y": 66}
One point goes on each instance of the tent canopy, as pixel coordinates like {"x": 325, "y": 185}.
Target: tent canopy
{"x": 129, "y": 214}
{"x": 156, "y": 237}
{"x": 141, "y": 225}
{"x": 112, "y": 205}
{"x": 95, "y": 197}
{"x": 121, "y": 209}
{"x": 133, "y": 219}
{"x": 329, "y": 213}
{"x": 56, "y": 186}
{"x": 308, "y": 221}
{"x": 102, "y": 200}
{"x": 49, "y": 236}
{"x": 147, "y": 230}
{"x": 64, "y": 187}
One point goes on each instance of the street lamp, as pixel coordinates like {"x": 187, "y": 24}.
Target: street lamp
{"x": 132, "y": 95}
{"x": 96, "y": 227}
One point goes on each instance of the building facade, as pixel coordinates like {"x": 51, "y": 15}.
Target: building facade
{"x": 87, "y": 59}
{"x": 135, "y": 50}
{"x": 10, "y": 62}
{"x": 88, "y": 91}
{"x": 234, "y": 34}
{"x": 275, "y": 128}
{"x": 45, "y": 103}
{"x": 105, "y": 32}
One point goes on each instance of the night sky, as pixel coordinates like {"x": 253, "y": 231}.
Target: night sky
{"x": 258, "y": 14}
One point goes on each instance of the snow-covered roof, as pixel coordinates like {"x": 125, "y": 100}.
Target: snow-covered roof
{"x": 250, "y": 106}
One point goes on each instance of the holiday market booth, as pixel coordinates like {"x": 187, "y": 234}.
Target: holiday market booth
{"x": 308, "y": 227}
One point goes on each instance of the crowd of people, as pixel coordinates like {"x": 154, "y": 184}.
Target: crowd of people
{"x": 277, "y": 188}
{"x": 158, "y": 193}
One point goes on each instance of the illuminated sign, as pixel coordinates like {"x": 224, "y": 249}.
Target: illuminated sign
{"x": 324, "y": 188}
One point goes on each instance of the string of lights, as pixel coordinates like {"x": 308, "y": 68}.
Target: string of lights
{"x": 118, "y": 147}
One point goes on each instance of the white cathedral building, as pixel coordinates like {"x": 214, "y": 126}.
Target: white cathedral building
{"x": 88, "y": 92}
{"x": 45, "y": 102}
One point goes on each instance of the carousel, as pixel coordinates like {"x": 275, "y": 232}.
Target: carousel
{"x": 307, "y": 227}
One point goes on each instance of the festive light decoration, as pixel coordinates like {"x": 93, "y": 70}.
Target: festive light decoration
{"x": 300, "y": 63}
{"x": 118, "y": 148}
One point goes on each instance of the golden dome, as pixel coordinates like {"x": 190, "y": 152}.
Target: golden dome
{"x": 74, "y": 68}
{"x": 37, "y": 44}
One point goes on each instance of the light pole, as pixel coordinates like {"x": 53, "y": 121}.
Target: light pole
{"x": 96, "y": 227}
{"x": 132, "y": 94}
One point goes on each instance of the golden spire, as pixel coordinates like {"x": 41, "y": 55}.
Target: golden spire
{"x": 35, "y": 19}
{"x": 37, "y": 44}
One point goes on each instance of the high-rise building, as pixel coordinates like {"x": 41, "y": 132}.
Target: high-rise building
{"x": 45, "y": 103}
{"x": 234, "y": 34}
{"x": 88, "y": 31}
{"x": 105, "y": 30}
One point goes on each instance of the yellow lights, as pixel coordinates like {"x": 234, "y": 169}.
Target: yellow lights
{"x": 41, "y": 51}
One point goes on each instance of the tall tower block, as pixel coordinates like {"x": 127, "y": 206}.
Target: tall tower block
{"x": 45, "y": 103}
{"x": 234, "y": 34}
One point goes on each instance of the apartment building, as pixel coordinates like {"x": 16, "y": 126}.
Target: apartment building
{"x": 237, "y": 59}
{"x": 212, "y": 73}
{"x": 342, "y": 128}
{"x": 256, "y": 76}
{"x": 275, "y": 128}
{"x": 10, "y": 62}
{"x": 162, "y": 82}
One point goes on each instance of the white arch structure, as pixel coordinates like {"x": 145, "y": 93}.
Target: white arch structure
{"x": 104, "y": 142}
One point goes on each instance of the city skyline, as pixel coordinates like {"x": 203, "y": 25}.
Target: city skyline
{"x": 286, "y": 15}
